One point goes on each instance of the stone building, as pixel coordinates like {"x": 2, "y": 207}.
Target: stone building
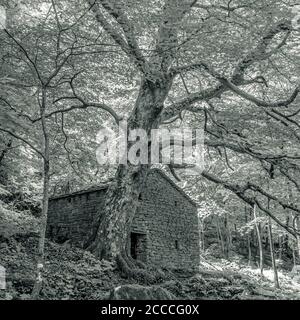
{"x": 164, "y": 231}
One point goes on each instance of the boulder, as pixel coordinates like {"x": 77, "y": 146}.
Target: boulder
{"x": 138, "y": 292}
{"x": 265, "y": 292}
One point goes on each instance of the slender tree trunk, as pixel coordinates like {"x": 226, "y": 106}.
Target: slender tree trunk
{"x": 294, "y": 256}
{"x": 248, "y": 238}
{"x": 228, "y": 237}
{"x": 286, "y": 238}
{"x": 276, "y": 282}
{"x": 280, "y": 247}
{"x": 202, "y": 235}
{"x": 46, "y": 168}
{"x": 267, "y": 242}
{"x": 249, "y": 250}
{"x": 297, "y": 227}
{"x": 258, "y": 231}
{"x": 220, "y": 236}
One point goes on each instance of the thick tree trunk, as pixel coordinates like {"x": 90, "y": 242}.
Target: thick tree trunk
{"x": 122, "y": 196}
{"x": 120, "y": 205}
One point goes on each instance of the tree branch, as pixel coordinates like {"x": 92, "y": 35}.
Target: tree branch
{"x": 259, "y": 53}
{"x": 259, "y": 102}
{"x": 240, "y": 192}
{"x": 126, "y": 41}
{"x": 23, "y": 140}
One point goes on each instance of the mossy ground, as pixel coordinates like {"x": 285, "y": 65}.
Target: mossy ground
{"x": 72, "y": 273}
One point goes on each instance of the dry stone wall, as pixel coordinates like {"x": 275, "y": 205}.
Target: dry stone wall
{"x": 166, "y": 221}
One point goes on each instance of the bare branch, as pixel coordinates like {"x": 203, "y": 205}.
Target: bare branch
{"x": 32, "y": 63}
{"x": 240, "y": 192}
{"x": 259, "y": 102}
{"x": 85, "y": 105}
{"x": 23, "y": 140}
{"x": 259, "y": 53}
{"x": 126, "y": 41}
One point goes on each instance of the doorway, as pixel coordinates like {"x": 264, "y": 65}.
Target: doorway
{"x": 138, "y": 246}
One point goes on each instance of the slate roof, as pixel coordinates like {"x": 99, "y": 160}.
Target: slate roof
{"x": 104, "y": 186}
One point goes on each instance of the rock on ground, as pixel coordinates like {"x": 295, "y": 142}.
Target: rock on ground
{"x": 138, "y": 292}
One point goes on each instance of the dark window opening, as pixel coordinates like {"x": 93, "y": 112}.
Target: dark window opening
{"x": 138, "y": 246}
{"x": 140, "y": 196}
{"x": 176, "y": 245}
{"x": 176, "y": 203}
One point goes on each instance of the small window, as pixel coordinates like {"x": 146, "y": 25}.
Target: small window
{"x": 175, "y": 203}
{"x": 140, "y": 196}
{"x": 87, "y": 196}
{"x": 176, "y": 245}
{"x": 69, "y": 200}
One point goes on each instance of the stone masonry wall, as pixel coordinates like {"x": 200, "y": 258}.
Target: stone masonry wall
{"x": 72, "y": 217}
{"x": 169, "y": 220}
{"x": 166, "y": 219}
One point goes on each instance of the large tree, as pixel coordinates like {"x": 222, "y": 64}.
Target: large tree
{"x": 178, "y": 46}
{"x": 230, "y": 66}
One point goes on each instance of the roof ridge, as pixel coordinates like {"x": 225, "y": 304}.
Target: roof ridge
{"x": 81, "y": 191}
{"x": 106, "y": 185}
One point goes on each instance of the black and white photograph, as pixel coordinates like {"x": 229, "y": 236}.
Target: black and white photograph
{"x": 149, "y": 150}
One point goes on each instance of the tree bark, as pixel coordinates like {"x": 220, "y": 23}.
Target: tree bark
{"x": 249, "y": 250}
{"x": 228, "y": 236}
{"x": 297, "y": 227}
{"x": 220, "y": 236}
{"x": 46, "y": 168}
{"x": 248, "y": 238}
{"x": 294, "y": 256}
{"x": 122, "y": 196}
{"x": 280, "y": 247}
{"x": 258, "y": 231}
{"x": 276, "y": 282}
{"x": 286, "y": 238}
{"x": 202, "y": 230}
